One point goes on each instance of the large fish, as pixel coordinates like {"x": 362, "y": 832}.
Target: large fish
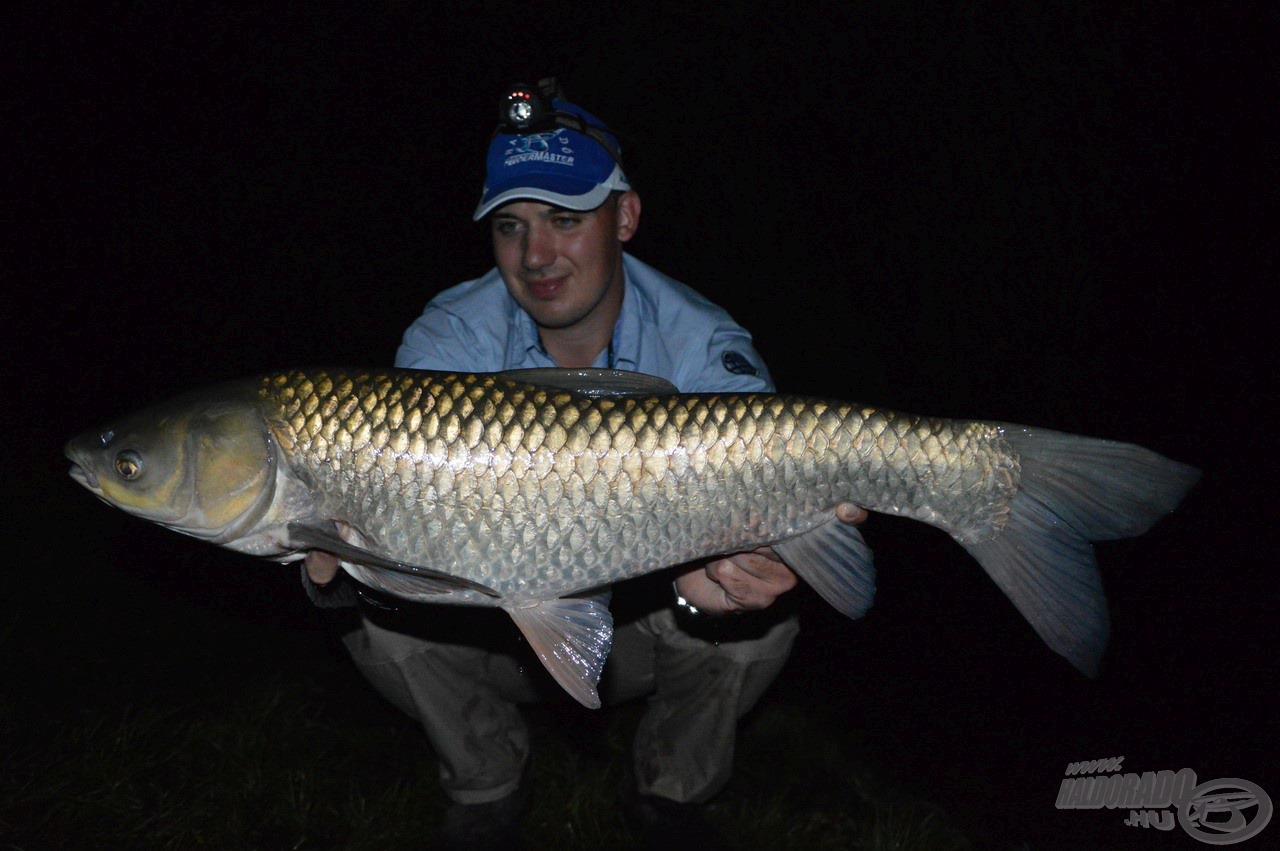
{"x": 535, "y": 490}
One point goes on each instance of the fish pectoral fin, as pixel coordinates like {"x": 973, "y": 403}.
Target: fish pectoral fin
{"x": 594, "y": 382}
{"x": 836, "y": 563}
{"x": 572, "y": 636}
{"x": 425, "y": 579}
{"x": 402, "y": 585}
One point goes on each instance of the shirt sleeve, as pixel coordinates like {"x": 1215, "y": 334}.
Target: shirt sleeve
{"x": 729, "y": 363}
{"x": 439, "y": 340}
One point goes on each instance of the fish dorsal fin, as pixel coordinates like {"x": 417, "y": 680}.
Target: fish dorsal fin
{"x": 572, "y": 636}
{"x": 594, "y": 382}
{"x": 836, "y": 563}
{"x": 425, "y": 580}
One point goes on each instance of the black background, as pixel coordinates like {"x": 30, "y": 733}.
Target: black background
{"x": 1051, "y": 214}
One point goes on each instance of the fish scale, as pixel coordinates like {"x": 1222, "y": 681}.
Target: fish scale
{"x": 668, "y": 479}
{"x": 535, "y": 490}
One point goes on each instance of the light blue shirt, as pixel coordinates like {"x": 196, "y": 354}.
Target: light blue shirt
{"x": 665, "y": 328}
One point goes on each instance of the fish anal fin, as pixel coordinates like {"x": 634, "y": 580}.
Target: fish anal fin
{"x": 572, "y": 636}
{"x": 836, "y": 562}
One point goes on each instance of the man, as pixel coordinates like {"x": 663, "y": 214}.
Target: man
{"x": 564, "y": 293}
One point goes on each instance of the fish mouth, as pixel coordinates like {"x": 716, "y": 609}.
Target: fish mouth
{"x": 80, "y": 471}
{"x": 85, "y": 477}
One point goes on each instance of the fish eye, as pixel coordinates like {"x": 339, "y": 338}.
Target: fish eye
{"x": 128, "y": 465}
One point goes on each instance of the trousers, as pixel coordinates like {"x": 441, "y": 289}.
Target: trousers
{"x": 462, "y": 672}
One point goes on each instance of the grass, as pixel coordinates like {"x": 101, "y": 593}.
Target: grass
{"x": 141, "y": 710}
{"x": 281, "y": 765}
{"x": 266, "y": 770}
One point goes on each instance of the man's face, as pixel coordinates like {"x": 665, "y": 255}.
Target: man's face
{"x": 564, "y": 267}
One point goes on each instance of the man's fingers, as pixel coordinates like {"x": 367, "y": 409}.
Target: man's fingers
{"x": 737, "y": 583}
{"x": 321, "y": 567}
{"x": 761, "y": 570}
{"x": 751, "y": 580}
{"x": 847, "y": 512}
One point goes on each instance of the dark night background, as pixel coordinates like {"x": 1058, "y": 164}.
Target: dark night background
{"x": 1041, "y": 213}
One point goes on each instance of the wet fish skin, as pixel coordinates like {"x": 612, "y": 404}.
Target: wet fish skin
{"x": 534, "y": 492}
{"x": 528, "y": 488}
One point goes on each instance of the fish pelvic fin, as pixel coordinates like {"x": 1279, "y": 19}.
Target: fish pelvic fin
{"x": 836, "y": 562}
{"x": 572, "y": 636}
{"x": 1074, "y": 490}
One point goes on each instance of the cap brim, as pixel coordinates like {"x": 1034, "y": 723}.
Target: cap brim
{"x": 557, "y": 190}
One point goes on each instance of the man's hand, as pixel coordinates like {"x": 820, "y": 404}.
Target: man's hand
{"x": 321, "y": 567}
{"x": 745, "y": 582}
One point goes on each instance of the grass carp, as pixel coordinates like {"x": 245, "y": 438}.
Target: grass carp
{"x": 535, "y": 490}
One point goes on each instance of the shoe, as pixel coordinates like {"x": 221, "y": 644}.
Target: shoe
{"x": 496, "y": 824}
{"x": 662, "y": 823}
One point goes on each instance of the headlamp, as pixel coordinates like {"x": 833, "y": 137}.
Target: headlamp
{"x": 523, "y": 108}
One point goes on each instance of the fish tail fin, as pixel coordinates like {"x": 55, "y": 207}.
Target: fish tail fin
{"x": 1074, "y": 490}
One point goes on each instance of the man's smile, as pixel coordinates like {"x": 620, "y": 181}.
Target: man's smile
{"x": 545, "y": 287}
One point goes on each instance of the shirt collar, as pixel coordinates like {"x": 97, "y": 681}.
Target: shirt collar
{"x": 627, "y": 332}
{"x": 524, "y": 345}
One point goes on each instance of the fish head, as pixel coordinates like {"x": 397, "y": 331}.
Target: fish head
{"x": 203, "y": 465}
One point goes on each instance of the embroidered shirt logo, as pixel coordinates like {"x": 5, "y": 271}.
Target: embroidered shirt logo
{"x": 738, "y": 364}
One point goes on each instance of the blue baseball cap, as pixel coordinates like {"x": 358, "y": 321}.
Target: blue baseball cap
{"x": 559, "y": 166}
